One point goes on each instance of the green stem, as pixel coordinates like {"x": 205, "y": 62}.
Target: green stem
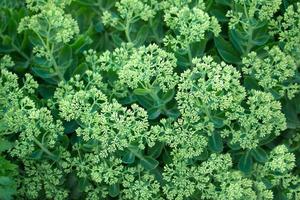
{"x": 156, "y": 36}
{"x": 44, "y": 149}
{"x": 189, "y": 51}
{"x": 56, "y": 68}
{"x": 127, "y": 31}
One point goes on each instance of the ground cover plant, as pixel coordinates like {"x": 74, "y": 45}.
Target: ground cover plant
{"x": 150, "y": 99}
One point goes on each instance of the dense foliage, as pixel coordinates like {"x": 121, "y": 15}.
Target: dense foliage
{"x": 150, "y": 99}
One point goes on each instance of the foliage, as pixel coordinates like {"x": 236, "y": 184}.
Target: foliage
{"x": 150, "y": 99}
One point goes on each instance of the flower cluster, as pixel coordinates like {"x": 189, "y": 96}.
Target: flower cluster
{"x": 287, "y": 27}
{"x": 60, "y": 26}
{"x": 274, "y": 73}
{"x": 210, "y": 93}
{"x": 253, "y": 9}
{"x": 149, "y": 99}
{"x": 189, "y": 26}
{"x": 261, "y": 119}
{"x": 144, "y": 67}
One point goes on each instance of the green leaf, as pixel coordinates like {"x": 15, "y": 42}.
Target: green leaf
{"x": 46, "y": 90}
{"x": 218, "y": 122}
{"x": 238, "y": 39}
{"x": 251, "y": 83}
{"x": 153, "y": 113}
{"x": 114, "y": 190}
{"x": 70, "y": 126}
{"x": 141, "y": 91}
{"x": 36, "y": 155}
{"x": 5, "y": 145}
{"x": 116, "y": 39}
{"x": 203, "y": 156}
{"x": 166, "y": 157}
{"x": 44, "y": 73}
{"x": 7, "y": 188}
{"x": 172, "y": 112}
{"x": 215, "y": 142}
{"x": 142, "y": 35}
{"x": 128, "y": 158}
{"x": 80, "y": 69}
{"x": 260, "y": 36}
{"x": 156, "y": 150}
{"x": 219, "y": 11}
{"x": 168, "y": 96}
{"x": 224, "y": 2}
{"x": 3, "y": 125}
{"x": 65, "y": 58}
{"x": 148, "y": 162}
{"x": 227, "y": 51}
{"x": 259, "y": 155}
{"x": 246, "y": 162}
{"x": 234, "y": 146}
{"x": 145, "y": 101}
{"x": 80, "y": 43}
{"x": 290, "y": 110}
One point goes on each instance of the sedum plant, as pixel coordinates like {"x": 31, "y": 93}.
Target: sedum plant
{"x": 149, "y": 100}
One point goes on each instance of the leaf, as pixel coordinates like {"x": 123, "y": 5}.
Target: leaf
{"x": 141, "y": 91}
{"x": 227, "y": 51}
{"x": 148, "y": 162}
{"x": 203, "y": 156}
{"x": 218, "y": 122}
{"x": 81, "y": 42}
{"x": 145, "y": 101}
{"x": 65, "y": 58}
{"x": 260, "y": 36}
{"x": 142, "y": 35}
{"x": 224, "y": 2}
{"x": 156, "y": 150}
{"x": 46, "y": 90}
{"x": 234, "y": 146}
{"x": 238, "y": 39}
{"x": 153, "y": 113}
{"x": 70, "y": 126}
{"x": 128, "y": 158}
{"x": 5, "y": 145}
{"x": 259, "y": 155}
{"x": 7, "y": 188}
{"x": 198, "y": 48}
{"x": 36, "y": 155}
{"x": 168, "y": 96}
{"x": 219, "y": 11}
{"x": 246, "y": 162}
{"x": 64, "y": 141}
{"x": 44, "y": 73}
{"x": 172, "y": 112}
{"x": 251, "y": 83}
{"x": 99, "y": 27}
{"x": 215, "y": 143}
{"x": 80, "y": 69}
{"x": 116, "y": 39}
{"x": 114, "y": 190}
{"x": 290, "y": 110}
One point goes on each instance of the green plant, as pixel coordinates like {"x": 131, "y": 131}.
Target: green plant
{"x": 150, "y": 99}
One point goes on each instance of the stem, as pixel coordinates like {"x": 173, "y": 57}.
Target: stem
{"x": 189, "y": 51}
{"x": 127, "y": 31}
{"x": 44, "y": 149}
{"x": 56, "y": 68}
{"x": 20, "y": 52}
{"x": 156, "y": 36}
{"x": 50, "y": 52}
{"x": 249, "y": 45}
